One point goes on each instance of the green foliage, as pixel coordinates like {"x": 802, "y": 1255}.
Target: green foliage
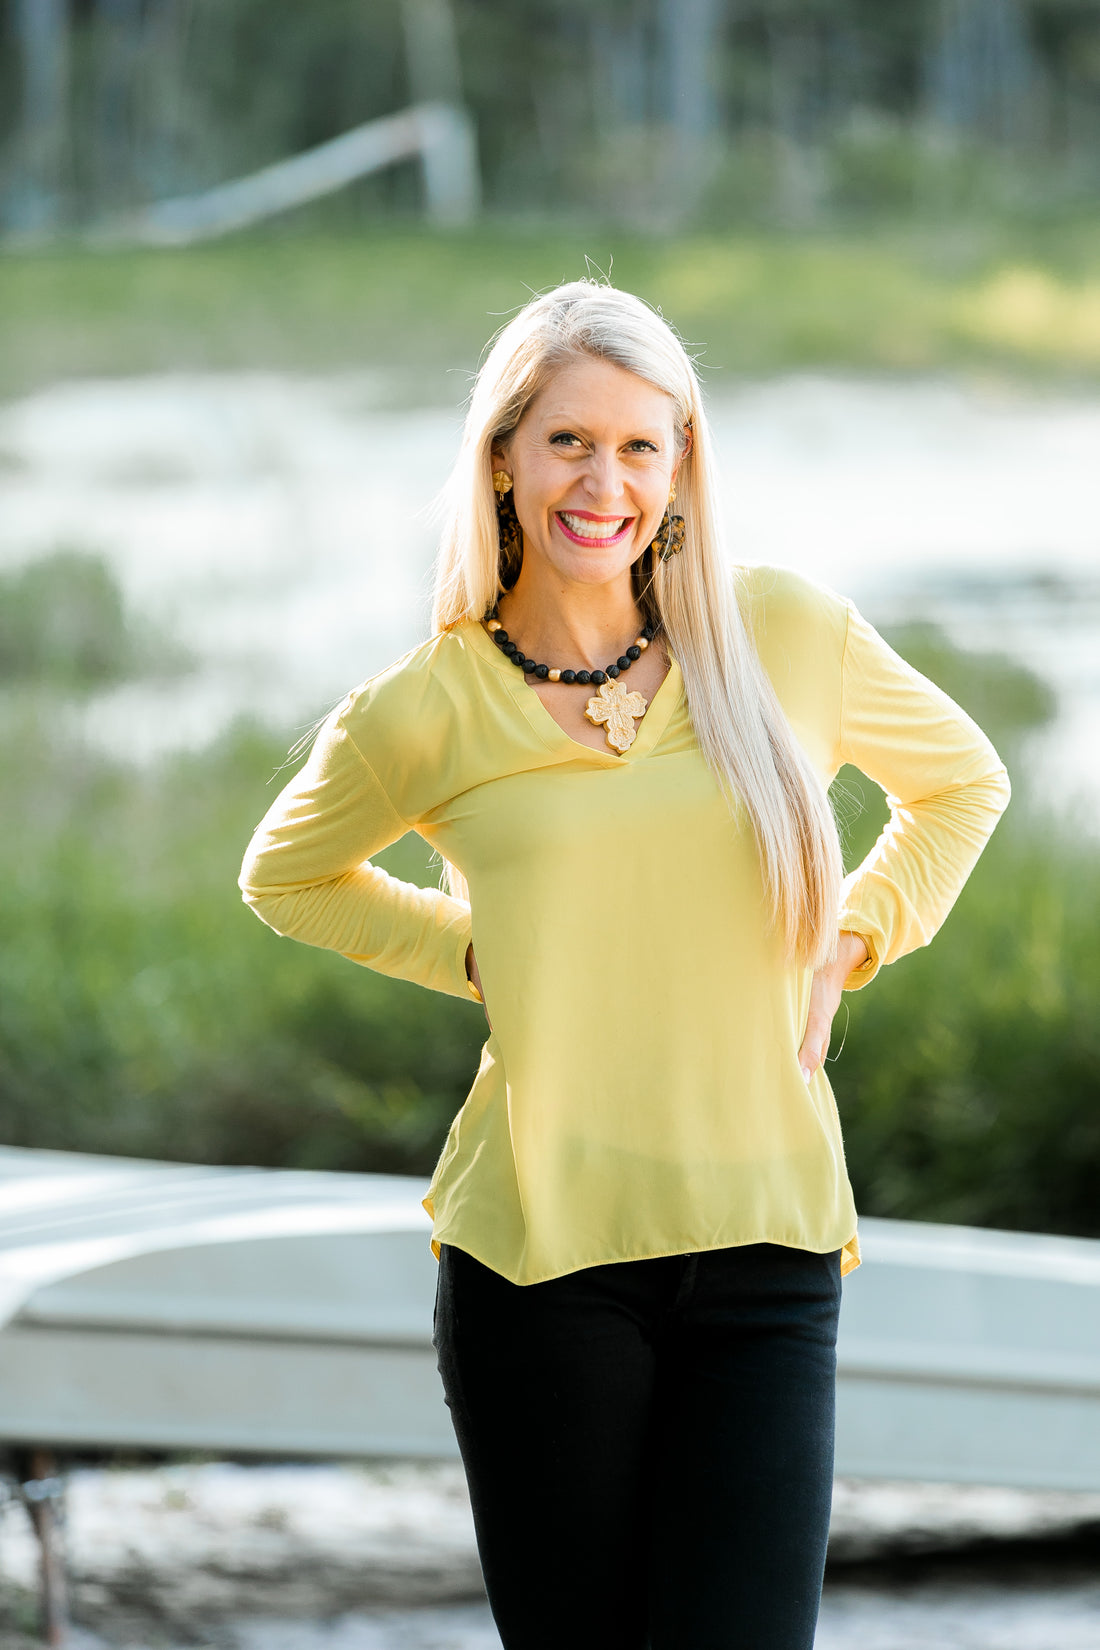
{"x": 968, "y": 1075}
{"x": 145, "y": 1011}
{"x": 63, "y": 623}
{"x": 969, "y": 1084}
{"x": 580, "y": 105}
{"x": 972, "y": 294}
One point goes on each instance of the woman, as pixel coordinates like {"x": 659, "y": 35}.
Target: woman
{"x": 641, "y": 1213}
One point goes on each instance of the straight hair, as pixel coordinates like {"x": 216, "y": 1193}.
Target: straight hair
{"x": 738, "y": 721}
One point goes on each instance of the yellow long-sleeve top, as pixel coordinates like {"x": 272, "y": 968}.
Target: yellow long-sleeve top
{"x": 640, "y": 1091}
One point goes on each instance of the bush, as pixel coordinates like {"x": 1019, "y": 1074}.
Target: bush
{"x": 63, "y": 623}
{"x": 145, "y": 1011}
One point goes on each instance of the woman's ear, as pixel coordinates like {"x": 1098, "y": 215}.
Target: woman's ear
{"x": 689, "y": 442}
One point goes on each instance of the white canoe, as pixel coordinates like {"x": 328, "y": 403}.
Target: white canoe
{"x": 285, "y": 1312}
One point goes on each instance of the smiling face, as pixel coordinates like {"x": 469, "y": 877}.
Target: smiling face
{"x": 592, "y": 459}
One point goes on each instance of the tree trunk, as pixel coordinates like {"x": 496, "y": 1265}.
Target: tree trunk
{"x": 685, "y": 98}
{"x": 42, "y": 32}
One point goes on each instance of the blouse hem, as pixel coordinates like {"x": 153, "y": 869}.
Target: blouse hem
{"x": 850, "y": 1256}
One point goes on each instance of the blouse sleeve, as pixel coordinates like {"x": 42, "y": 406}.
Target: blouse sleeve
{"x": 945, "y": 786}
{"x": 307, "y": 874}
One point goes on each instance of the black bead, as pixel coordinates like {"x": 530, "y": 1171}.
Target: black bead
{"x": 500, "y": 637}
{"x": 623, "y": 662}
{"x": 597, "y": 678}
{"x": 647, "y": 632}
{"x": 510, "y": 649}
{"x": 542, "y": 672}
{"x": 519, "y": 659}
{"x": 633, "y": 653}
{"x": 584, "y": 677}
{"x": 612, "y": 670}
{"x": 569, "y": 676}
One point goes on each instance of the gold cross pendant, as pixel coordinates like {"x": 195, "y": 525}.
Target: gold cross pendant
{"x": 612, "y": 704}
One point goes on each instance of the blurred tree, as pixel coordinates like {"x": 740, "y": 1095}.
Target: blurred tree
{"x": 431, "y": 50}
{"x": 981, "y": 69}
{"x": 658, "y": 112}
{"x": 41, "y": 30}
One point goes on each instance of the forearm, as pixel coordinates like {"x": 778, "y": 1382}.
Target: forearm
{"x": 393, "y": 927}
{"x": 307, "y": 874}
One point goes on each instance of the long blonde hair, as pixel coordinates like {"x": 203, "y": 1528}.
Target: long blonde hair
{"x": 737, "y": 718}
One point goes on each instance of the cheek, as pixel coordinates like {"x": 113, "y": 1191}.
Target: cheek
{"x": 536, "y": 492}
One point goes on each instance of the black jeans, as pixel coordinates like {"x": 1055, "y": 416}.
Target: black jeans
{"x": 648, "y": 1445}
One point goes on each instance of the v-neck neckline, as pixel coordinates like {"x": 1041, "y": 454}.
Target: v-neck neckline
{"x": 551, "y": 732}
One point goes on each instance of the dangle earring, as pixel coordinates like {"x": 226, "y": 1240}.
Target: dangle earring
{"x": 670, "y": 535}
{"x": 509, "y": 531}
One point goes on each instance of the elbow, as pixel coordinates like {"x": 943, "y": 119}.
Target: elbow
{"x": 256, "y": 879}
{"x": 263, "y": 905}
{"x": 262, "y": 899}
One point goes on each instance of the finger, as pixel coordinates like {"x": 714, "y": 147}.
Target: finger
{"x": 815, "y": 1046}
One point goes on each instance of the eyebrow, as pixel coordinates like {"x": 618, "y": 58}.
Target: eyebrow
{"x": 563, "y": 421}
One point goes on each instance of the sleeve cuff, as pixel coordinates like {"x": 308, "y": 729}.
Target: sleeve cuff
{"x": 464, "y": 945}
{"x": 865, "y": 973}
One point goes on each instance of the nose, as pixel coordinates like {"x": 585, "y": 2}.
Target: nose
{"x": 603, "y": 481}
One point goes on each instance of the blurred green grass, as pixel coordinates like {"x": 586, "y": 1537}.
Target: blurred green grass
{"x": 145, "y": 1011}
{"x": 964, "y": 294}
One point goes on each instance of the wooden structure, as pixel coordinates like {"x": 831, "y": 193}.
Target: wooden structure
{"x": 169, "y": 1306}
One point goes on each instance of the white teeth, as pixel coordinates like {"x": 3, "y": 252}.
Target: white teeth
{"x": 586, "y": 529}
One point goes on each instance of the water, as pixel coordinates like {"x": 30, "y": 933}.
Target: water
{"x": 928, "y": 1616}
{"x": 280, "y": 527}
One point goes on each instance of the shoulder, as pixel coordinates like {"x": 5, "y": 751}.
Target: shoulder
{"x": 428, "y": 681}
{"x": 405, "y": 723}
{"x": 786, "y": 611}
{"x": 776, "y": 598}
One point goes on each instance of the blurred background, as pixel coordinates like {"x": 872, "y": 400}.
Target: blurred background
{"x": 250, "y": 254}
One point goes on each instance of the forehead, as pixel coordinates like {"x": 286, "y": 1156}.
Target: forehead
{"x": 601, "y": 396}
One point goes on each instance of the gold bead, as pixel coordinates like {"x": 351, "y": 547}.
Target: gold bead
{"x": 493, "y": 625}
{"x": 554, "y": 676}
{"x": 642, "y": 643}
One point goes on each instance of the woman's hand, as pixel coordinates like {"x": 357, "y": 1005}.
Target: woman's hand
{"x": 825, "y": 994}
{"x": 475, "y": 979}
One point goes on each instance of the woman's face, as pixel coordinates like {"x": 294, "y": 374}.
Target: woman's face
{"x": 592, "y": 461}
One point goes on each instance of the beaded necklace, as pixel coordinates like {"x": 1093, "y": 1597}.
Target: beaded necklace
{"x": 613, "y": 707}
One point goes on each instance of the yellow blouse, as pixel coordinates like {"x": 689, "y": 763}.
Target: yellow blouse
{"x": 640, "y": 1092}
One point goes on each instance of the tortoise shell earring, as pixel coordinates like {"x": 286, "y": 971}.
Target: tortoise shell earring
{"x": 509, "y": 531}
{"x": 670, "y": 534}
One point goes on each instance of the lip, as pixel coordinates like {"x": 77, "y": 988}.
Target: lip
{"x": 588, "y": 515}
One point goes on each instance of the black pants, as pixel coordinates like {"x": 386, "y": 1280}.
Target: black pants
{"x": 648, "y": 1445}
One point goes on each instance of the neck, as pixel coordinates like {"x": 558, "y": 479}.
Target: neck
{"x": 576, "y": 626}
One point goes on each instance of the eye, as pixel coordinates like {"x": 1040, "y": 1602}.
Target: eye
{"x": 641, "y": 445}
{"x": 564, "y": 438}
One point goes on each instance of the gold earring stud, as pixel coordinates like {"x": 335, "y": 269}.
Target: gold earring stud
{"x": 502, "y": 483}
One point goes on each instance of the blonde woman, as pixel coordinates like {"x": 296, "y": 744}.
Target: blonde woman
{"x": 621, "y": 749}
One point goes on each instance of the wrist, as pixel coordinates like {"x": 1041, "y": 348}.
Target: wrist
{"x": 852, "y": 952}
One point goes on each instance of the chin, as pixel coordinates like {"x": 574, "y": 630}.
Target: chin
{"x": 585, "y": 573}
{"x": 589, "y": 569}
